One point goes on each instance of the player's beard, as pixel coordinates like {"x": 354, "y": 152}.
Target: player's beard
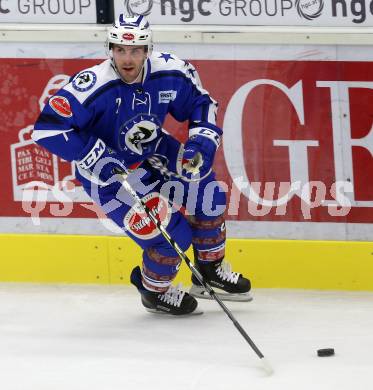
{"x": 132, "y": 76}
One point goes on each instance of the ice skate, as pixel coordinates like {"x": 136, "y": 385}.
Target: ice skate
{"x": 228, "y": 285}
{"x": 173, "y": 302}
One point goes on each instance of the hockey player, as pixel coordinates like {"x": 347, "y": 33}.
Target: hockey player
{"x": 108, "y": 118}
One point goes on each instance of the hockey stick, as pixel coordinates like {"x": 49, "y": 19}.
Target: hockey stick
{"x": 194, "y": 271}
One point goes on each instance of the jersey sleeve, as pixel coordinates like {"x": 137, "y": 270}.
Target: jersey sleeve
{"x": 60, "y": 127}
{"x": 193, "y": 102}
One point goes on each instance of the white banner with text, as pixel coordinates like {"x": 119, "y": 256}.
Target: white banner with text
{"x": 307, "y": 13}
{"x": 48, "y": 11}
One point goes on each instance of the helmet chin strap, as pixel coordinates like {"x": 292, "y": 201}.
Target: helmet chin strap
{"x": 141, "y": 72}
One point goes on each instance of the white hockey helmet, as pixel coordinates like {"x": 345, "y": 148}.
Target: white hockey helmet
{"x": 130, "y": 30}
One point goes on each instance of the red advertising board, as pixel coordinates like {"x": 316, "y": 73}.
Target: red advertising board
{"x": 297, "y": 141}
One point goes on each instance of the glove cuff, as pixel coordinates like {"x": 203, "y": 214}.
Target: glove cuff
{"x": 92, "y": 153}
{"x": 207, "y": 133}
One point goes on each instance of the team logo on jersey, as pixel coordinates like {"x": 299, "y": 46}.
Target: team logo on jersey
{"x": 139, "y": 224}
{"x": 61, "y": 106}
{"x": 135, "y": 134}
{"x": 166, "y": 96}
{"x": 84, "y": 81}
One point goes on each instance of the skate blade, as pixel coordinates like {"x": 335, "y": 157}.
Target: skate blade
{"x": 201, "y": 293}
{"x": 196, "y": 312}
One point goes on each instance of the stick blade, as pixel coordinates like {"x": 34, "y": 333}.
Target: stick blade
{"x": 266, "y": 365}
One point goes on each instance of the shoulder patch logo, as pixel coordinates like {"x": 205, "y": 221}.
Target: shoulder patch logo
{"x": 167, "y": 96}
{"x": 61, "y": 106}
{"x": 84, "y": 81}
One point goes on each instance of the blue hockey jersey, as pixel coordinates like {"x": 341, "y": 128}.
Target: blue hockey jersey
{"x": 97, "y": 103}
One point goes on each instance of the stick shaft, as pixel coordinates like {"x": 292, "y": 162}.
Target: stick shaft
{"x": 193, "y": 269}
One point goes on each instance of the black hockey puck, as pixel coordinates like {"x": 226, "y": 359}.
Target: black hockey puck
{"x": 325, "y": 352}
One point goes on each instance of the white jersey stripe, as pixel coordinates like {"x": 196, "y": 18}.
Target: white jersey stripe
{"x": 40, "y": 134}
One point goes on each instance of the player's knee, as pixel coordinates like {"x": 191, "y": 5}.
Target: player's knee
{"x": 212, "y": 203}
{"x": 181, "y": 232}
{"x": 177, "y": 228}
{"x": 220, "y": 197}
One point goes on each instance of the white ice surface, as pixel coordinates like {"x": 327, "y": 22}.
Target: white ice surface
{"x": 100, "y": 338}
